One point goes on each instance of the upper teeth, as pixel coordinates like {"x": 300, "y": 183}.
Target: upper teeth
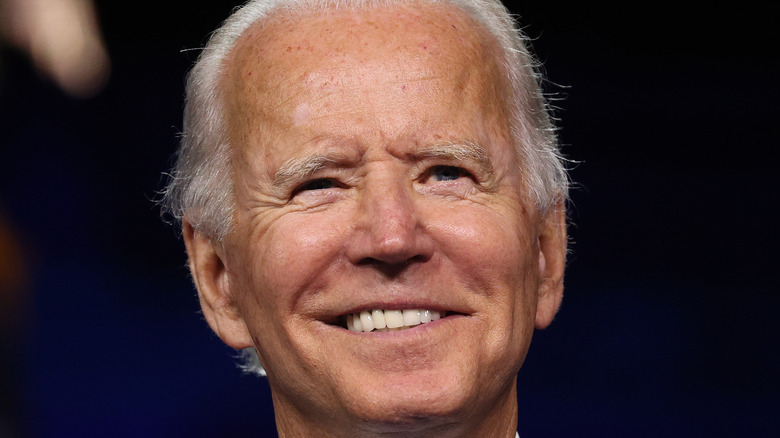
{"x": 384, "y": 320}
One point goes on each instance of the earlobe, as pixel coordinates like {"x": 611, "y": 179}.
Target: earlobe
{"x": 210, "y": 274}
{"x": 552, "y": 261}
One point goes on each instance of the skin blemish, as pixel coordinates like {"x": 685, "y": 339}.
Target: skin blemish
{"x": 301, "y": 114}
{"x": 428, "y": 44}
{"x": 403, "y": 87}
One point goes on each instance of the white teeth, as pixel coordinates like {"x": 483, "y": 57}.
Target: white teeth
{"x": 411, "y": 317}
{"x": 366, "y": 321}
{"x": 394, "y": 318}
{"x": 389, "y": 320}
{"x": 379, "y": 319}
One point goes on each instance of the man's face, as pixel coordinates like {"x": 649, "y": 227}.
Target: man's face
{"x": 374, "y": 171}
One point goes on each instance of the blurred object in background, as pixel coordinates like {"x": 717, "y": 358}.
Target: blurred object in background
{"x": 13, "y": 300}
{"x": 63, "y": 40}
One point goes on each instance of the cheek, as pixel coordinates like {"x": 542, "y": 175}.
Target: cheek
{"x": 293, "y": 253}
{"x": 492, "y": 248}
{"x": 278, "y": 267}
{"x": 490, "y": 251}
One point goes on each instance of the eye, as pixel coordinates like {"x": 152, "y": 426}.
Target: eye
{"x": 316, "y": 184}
{"x": 447, "y": 173}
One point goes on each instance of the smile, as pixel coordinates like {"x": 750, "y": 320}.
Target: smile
{"x": 389, "y": 320}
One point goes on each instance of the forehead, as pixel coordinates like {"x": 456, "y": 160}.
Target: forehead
{"x": 292, "y": 36}
{"x": 293, "y": 66}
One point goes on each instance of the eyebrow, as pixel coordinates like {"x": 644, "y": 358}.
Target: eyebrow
{"x": 296, "y": 169}
{"x": 459, "y": 152}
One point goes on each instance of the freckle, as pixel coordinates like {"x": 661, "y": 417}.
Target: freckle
{"x": 289, "y": 48}
{"x": 250, "y": 73}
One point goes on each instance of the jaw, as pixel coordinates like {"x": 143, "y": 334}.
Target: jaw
{"x": 416, "y": 380}
{"x": 407, "y": 403}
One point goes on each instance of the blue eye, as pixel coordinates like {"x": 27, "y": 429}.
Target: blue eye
{"x": 447, "y": 173}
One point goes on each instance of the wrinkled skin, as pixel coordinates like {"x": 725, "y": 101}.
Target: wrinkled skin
{"x": 412, "y": 198}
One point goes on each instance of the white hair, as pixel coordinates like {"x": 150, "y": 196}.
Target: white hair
{"x": 200, "y": 185}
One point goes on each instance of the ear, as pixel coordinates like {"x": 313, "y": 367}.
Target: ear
{"x": 210, "y": 274}
{"x": 552, "y": 260}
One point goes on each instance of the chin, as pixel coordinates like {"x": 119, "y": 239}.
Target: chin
{"x": 422, "y": 398}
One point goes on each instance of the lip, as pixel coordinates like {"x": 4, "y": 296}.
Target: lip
{"x": 436, "y": 305}
{"x": 438, "y": 308}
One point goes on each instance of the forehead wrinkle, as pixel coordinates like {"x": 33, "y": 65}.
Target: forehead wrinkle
{"x": 479, "y": 72}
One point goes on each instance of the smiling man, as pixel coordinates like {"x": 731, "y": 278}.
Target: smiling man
{"x": 372, "y": 202}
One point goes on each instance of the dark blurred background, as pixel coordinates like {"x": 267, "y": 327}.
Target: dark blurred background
{"x": 669, "y": 324}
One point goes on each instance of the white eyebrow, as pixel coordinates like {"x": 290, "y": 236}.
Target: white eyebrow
{"x": 296, "y": 169}
{"x": 459, "y": 152}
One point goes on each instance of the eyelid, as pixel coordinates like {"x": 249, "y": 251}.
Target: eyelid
{"x": 466, "y": 155}
{"x": 305, "y": 185}
{"x": 464, "y": 171}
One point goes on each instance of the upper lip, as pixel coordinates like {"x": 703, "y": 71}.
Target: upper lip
{"x": 371, "y": 307}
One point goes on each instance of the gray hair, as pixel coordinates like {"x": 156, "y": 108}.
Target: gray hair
{"x": 200, "y": 184}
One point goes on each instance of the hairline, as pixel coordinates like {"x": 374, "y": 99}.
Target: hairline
{"x": 213, "y": 215}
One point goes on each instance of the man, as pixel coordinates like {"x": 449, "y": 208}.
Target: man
{"x": 371, "y": 199}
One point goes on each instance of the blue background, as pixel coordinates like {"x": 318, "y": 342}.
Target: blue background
{"x": 669, "y": 323}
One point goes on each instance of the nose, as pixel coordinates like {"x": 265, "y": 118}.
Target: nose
{"x": 390, "y": 233}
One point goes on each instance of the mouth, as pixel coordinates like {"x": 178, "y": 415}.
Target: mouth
{"x": 385, "y": 320}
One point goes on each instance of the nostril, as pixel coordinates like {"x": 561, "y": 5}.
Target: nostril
{"x": 392, "y": 268}
{"x": 419, "y": 258}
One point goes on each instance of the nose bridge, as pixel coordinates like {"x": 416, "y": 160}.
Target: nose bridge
{"x": 390, "y": 231}
{"x": 391, "y": 215}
